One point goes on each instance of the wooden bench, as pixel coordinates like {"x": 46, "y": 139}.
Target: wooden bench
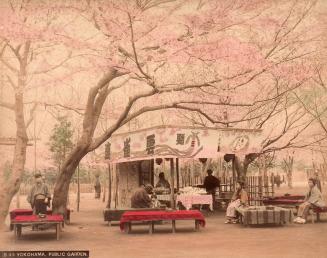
{"x": 153, "y": 216}
{"x": 22, "y": 212}
{"x": 256, "y": 215}
{"x": 316, "y": 211}
{"x": 26, "y": 220}
{"x": 116, "y": 214}
{"x": 291, "y": 200}
{"x": 223, "y": 198}
{"x": 294, "y": 201}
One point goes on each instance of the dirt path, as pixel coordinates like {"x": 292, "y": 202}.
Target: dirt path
{"x": 89, "y": 232}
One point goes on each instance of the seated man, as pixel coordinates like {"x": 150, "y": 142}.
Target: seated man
{"x": 162, "y": 181}
{"x": 313, "y": 198}
{"x": 39, "y": 196}
{"x": 141, "y": 198}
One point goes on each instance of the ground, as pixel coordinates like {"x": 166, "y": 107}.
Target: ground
{"x": 88, "y": 231}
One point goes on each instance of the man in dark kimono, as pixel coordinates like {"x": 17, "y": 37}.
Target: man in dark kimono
{"x": 39, "y": 196}
{"x": 141, "y": 198}
{"x": 211, "y": 183}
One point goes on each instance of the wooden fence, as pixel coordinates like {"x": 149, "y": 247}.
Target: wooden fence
{"x": 257, "y": 187}
{"x": 84, "y": 188}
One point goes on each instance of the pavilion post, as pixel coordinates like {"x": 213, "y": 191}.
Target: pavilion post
{"x": 152, "y": 172}
{"x": 172, "y": 184}
{"x": 234, "y": 174}
{"x": 109, "y": 187}
{"x": 177, "y": 173}
{"x": 116, "y": 186}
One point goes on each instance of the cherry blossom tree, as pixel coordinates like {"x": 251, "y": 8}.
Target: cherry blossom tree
{"x": 226, "y": 63}
{"x": 27, "y": 57}
{"x": 199, "y": 59}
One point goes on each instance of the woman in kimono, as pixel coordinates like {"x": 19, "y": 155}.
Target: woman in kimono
{"x": 312, "y": 199}
{"x": 39, "y": 196}
{"x": 240, "y": 198}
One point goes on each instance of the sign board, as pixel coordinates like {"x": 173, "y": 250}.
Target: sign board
{"x": 181, "y": 142}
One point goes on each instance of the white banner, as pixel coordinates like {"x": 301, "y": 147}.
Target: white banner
{"x": 182, "y": 142}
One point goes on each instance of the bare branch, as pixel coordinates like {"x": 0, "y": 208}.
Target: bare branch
{"x": 134, "y": 49}
{"x": 7, "y": 105}
{"x": 55, "y": 66}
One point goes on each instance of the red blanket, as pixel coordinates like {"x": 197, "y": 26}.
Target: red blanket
{"x": 320, "y": 209}
{"x": 34, "y": 218}
{"x": 282, "y": 201}
{"x": 161, "y": 215}
{"x": 21, "y": 212}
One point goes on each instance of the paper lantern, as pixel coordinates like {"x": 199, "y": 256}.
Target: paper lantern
{"x": 203, "y": 160}
{"x": 229, "y": 157}
{"x": 158, "y": 161}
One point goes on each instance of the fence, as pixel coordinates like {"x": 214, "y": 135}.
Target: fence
{"x": 84, "y": 188}
{"x": 257, "y": 187}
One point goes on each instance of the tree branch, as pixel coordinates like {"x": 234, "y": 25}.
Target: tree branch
{"x": 7, "y": 105}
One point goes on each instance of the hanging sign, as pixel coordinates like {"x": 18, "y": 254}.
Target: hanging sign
{"x": 182, "y": 142}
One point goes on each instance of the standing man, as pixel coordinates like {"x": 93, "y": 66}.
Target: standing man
{"x": 39, "y": 196}
{"x": 97, "y": 187}
{"x": 211, "y": 183}
{"x": 278, "y": 180}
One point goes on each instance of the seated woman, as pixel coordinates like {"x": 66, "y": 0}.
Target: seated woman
{"x": 163, "y": 183}
{"x": 240, "y": 197}
{"x": 313, "y": 198}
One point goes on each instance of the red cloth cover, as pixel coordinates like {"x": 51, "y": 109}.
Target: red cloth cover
{"x": 21, "y": 212}
{"x": 282, "y": 201}
{"x": 35, "y": 218}
{"x": 287, "y": 200}
{"x": 161, "y": 215}
{"x": 320, "y": 209}
{"x": 290, "y": 197}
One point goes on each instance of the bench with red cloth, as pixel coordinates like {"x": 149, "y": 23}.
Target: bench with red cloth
{"x": 21, "y": 212}
{"x": 116, "y": 213}
{"x": 284, "y": 201}
{"x": 153, "y": 216}
{"x": 294, "y": 201}
{"x": 317, "y": 211}
{"x": 26, "y": 220}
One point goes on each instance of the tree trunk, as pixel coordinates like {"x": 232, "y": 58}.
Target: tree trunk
{"x": 288, "y": 168}
{"x": 96, "y": 98}
{"x": 68, "y": 169}
{"x": 11, "y": 187}
{"x": 289, "y": 178}
{"x": 241, "y": 163}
